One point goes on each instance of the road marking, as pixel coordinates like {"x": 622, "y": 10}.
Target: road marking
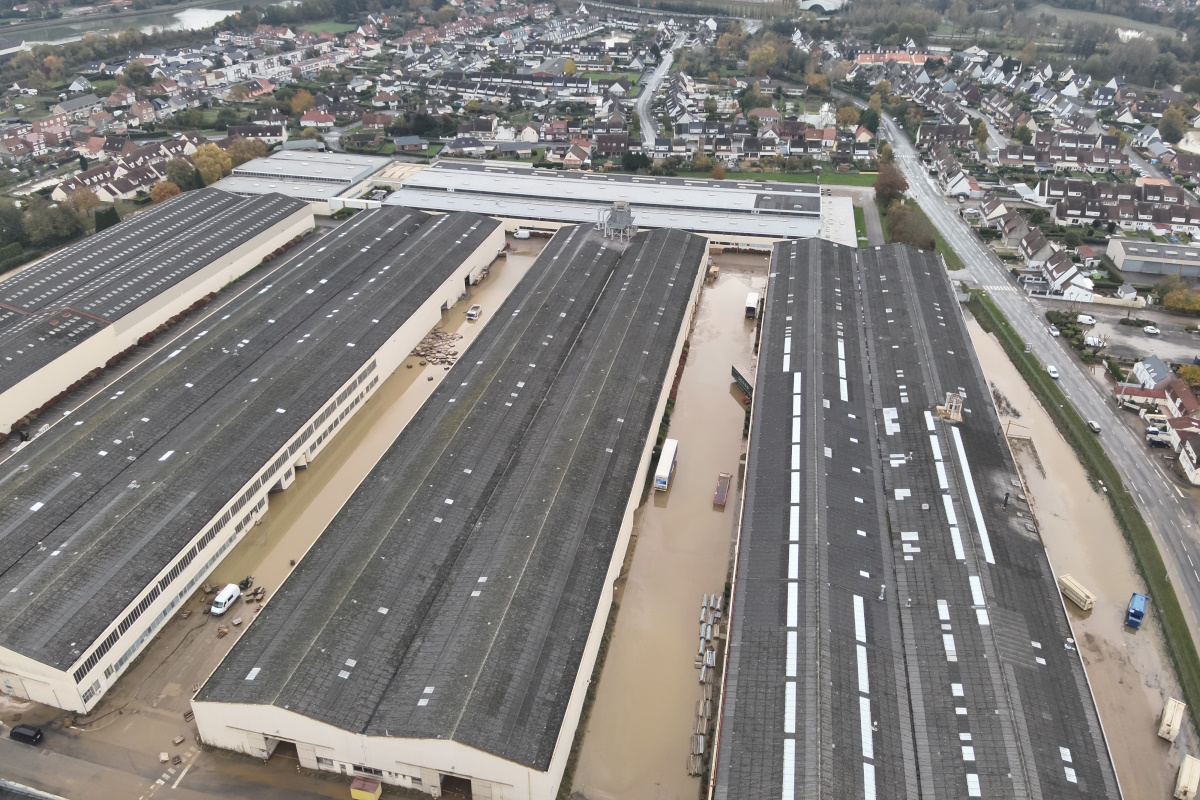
{"x": 175, "y": 785}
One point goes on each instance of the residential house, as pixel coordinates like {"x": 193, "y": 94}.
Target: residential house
{"x": 1151, "y": 373}
{"x": 316, "y": 119}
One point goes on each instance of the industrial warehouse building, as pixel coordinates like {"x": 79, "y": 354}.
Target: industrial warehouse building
{"x": 316, "y": 177}
{"x": 126, "y": 505}
{"x": 726, "y": 211}
{"x": 441, "y": 632}
{"x": 71, "y": 312}
{"x": 895, "y": 626}
{"x": 1151, "y": 258}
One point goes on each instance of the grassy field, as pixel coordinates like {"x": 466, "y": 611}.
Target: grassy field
{"x": 828, "y": 179}
{"x": 860, "y": 225}
{"x": 1073, "y": 427}
{"x": 328, "y": 27}
{"x": 1069, "y": 16}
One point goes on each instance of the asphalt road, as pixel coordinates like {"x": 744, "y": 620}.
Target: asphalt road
{"x": 1170, "y": 513}
{"x": 645, "y": 100}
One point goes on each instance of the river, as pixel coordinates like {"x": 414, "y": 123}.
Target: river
{"x": 191, "y": 18}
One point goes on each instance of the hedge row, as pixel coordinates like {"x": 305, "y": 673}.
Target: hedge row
{"x": 1176, "y": 632}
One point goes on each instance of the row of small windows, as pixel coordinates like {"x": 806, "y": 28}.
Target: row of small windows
{"x": 187, "y": 558}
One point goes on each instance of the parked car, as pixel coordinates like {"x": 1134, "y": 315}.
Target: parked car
{"x": 1053, "y": 330}
{"x": 1157, "y": 441}
{"x": 1086, "y": 319}
{"x": 1093, "y": 426}
{"x": 27, "y": 734}
{"x": 475, "y": 312}
{"x": 1053, "y": 371}
{"x": 1150, "y": 329}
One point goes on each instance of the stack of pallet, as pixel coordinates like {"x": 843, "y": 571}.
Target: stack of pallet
{"x": 711, "y": 613}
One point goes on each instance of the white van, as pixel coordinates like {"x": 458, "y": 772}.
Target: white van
{"x": 520, "y": 233}
{"x": 1086, "y": 319}
{"x": 225, "y": 599}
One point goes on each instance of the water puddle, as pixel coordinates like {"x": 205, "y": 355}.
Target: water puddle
{"x": 638, "y": 736}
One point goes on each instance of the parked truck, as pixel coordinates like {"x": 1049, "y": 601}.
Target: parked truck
{"x": 1137, "y": 610}
{"x": 1187, "y": 783}
{"x": 1172, "y": 719}
{"x": 666, "y": 465}
{"x": 1075, "y": 591}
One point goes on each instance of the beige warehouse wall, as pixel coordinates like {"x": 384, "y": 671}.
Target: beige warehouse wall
{"x": 40, "y": 387}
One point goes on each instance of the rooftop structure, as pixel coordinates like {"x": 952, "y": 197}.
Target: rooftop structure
{"x": 445, "y": 624}
{"x": 1151, "y": 258}
{"x": 74, "y": 310}
{"x": 738, "y": 210}
{"x": 114, "y": 515}
{"x": 314, "y": 177}
{"x": 896, "y": 630}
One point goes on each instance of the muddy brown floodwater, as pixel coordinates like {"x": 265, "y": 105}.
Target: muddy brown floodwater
{"x": 637, "y": 739}
{"x": 1129, "y": 670}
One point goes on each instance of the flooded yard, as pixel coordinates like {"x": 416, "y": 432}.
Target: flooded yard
{"x": 1128, "y": 670}
{"x": 637, "y": 739}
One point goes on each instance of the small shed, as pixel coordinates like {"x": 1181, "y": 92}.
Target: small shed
{"x": 364, "y": 788}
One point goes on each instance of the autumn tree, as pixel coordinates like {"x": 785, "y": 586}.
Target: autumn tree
{"x": 1028, "y": 54}
{"x": 569, "y": 68}
{"x": 717, "y": 172}
{"x": 886, "y": 156}
{"x": 890, "y": 185}
{"x": 312, "y": 134}
{"x": 82, "y": 201}
{"x": 908, "y": 224}
{"x": 53, "y": 68}
{"x": 1190, "y": 374}
{"x": 302, "y": 101}
{"x": 847, "y": 116}
{"x": 164, "y": 190}
{"x": 762, "y": 59}
{"x": 876, "y": 103}
{"x": 244, "y": 149}
{"x": 883, "y": 89}
{"x": 238, "y": 92}
{"x": 817, "y": 82}
{"x": 212, "y": 163}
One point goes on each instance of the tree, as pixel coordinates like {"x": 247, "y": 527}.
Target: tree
{"x": 717, "y": 172}
{"x": 883, "y": 89}
{"x": 1028, "y": 54}
{"x": 83, "y": 163}
{"x": 907, "y": 224}
{"x": 710, "y": 106}
{"x": 136, "y": 74}
{"x": 243, "y": 149}
{"x": 869, "y": 119}
{"x": 48, "y": 225}
{"x": 225, "y": 118}
{"x": 238, "y": 92}
{"x": 311, "y": 134}
{"x": 1173, "y": 124}
{"x": 847, "y": 116}
{"x": 1072, "y": 239}
{"x": 212, "y": 163}
{"x": 106, "y": 218}
{"x": 164, "y": 190}
{"x": 52, "y": 68}
{"x": 632, "y": 162}
{"x": 82, "y": 201}
{"x": 817, "y": 82}
{"x": 302, "y": 101}
{"x": 890, "y": 185}
{"x": 569, "y": 68}
{"x": 1190, "y": 374}
{"x": 762, "y": 58}
{"x": 875, "y": 103}
{"x": 1022, "y": 134}
{"x": 701, "y": 162}
{"x": 181, "y": 173}
{"x": 886, "y": 156}
{"x": 12, "y": 228}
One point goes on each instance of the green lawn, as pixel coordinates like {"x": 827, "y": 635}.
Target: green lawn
{"x": 828, "y": 179}
{"x": 953, "y": 262}
{"x": 329, "y": 27}
{"x": 860, "y": 225}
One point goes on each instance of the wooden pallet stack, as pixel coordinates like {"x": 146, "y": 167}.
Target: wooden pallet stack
{"x": 711, "y": 630}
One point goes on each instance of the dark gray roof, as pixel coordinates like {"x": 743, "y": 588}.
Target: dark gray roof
{"x": 452, "y": 596}
{"x": 50, "y": 307}
{"x": 123, "y": 484}
{"x": 946, "y": 694}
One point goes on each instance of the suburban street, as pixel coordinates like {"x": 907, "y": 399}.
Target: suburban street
{"x": 1167, "y": 510}
{"x": 645, "y": 100}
